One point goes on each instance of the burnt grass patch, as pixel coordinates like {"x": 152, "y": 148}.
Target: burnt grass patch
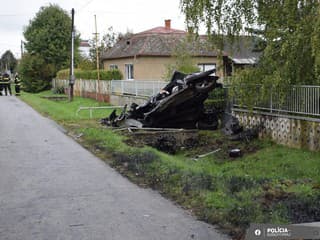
{"x": 232, "y": 201}
{"x": 192, "y": 144}
{"x": 135, "y": 163}
{"x": 301, "y": 209}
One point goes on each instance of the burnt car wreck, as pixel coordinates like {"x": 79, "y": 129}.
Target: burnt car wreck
{"x": 180, "y": 104}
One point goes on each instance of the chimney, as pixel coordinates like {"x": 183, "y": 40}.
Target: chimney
{"x": 167, "y": 23}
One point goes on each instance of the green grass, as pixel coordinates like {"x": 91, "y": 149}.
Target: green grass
{"x": 265, "y": 186}
{"x": 64, "y": 110}
{"x": 275, "y": 161}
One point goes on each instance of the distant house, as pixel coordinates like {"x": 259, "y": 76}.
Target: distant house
{"x": 146, "y": 55}
{"x": 84, "y": 48}
{"x": 242, "y": 53}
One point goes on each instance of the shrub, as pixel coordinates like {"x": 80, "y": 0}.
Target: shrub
{"x": 58, "y": 90}
{"x": 111, "y": 75}
{"x": 63, "y": 74}
{"x": 90, "y": 74}
{"x": 36, "y": 73}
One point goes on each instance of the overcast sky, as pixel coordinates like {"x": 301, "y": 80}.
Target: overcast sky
{"x": 122, "y": 15}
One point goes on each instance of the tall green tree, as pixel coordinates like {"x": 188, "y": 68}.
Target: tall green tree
{"x": 48, "y": 37}
{"x": 289, "y": 29}
{"x": 36, "y": 73}
{"x": 8, "y": 61}
{"x": 316, "y": 45}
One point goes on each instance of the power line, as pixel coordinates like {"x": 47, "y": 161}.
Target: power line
{"x": 15, "y": 14}
{"x": 8, "y": 44}
{"x": 86, "y": 4}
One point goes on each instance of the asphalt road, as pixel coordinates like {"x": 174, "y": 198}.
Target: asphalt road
{"x": 52, "y": 188}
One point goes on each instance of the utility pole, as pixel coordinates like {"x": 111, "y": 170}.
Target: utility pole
{"x": 72, "y": 78}
{"x": 97, "y": 57}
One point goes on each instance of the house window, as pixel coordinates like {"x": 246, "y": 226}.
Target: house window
{"x": 113, "y": 67}
{"x": 206, "y": 66}
{"x": 129, "y": 71}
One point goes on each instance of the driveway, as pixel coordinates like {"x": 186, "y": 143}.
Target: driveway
{"x": 52, "y": 188}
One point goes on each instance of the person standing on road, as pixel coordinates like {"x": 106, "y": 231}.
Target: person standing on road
{"x": 17, "y": 84}
{"x": 6, "y": 83}
{"x": 9, "y": 84}
{"x": 1, "y": 84}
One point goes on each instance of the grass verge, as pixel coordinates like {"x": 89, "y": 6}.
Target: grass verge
{"x": 269, "y": 184}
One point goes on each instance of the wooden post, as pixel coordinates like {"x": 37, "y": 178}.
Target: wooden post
{"x": 72, "y": 78}
{"x": 97, "y": 57}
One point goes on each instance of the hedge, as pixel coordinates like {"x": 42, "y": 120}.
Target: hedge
{"x": 90, "y": 74}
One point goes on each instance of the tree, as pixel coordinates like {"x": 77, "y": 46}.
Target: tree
{"x": 36, "y": 73}
{"x": 85, "y": 64}
{"x": 109, "y": 39}
{"x": 182, "y": 55}
{"x": 48, "y": 38}
{"x": 227, "y": 17}
{"x": 93, "y": 52}
{"x": 8, "y": 61}
{"x": 316, "y": 45}
{"x": 290, "y": 30}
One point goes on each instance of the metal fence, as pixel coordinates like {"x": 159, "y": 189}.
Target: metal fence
{"x": 118, "y": 87}
{"x": 298, "y": 100}
{"x": 136, "y": 87}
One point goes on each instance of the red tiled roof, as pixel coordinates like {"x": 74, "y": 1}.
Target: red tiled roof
{"x": 153, "y": 45}
{"x": 159, "y": 41}
{"x": 84, "y": 43}
{"x": 163, "y": 30}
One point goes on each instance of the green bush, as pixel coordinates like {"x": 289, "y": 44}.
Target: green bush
{"x": 85, "y": 64}
{"x": 90, "y": 74}
{"x": 111, "y": 75}
{"x": 63, "y": 74}
{"x": 35, "y": 73}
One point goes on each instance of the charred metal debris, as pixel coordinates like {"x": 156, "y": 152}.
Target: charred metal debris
{"x": 180, "y": 104}
{"x": 236, "y": 132}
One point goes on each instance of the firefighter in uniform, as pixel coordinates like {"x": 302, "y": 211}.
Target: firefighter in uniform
{"x": 17, "y": 84}
{"x": 6, "y": 83}
{"x": 1, "y": 84}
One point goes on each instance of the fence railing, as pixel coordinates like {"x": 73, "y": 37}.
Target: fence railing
{"x": 136, "y": 87}
{"x": 119, "y": 87}
{"x": 298, "y": 100}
